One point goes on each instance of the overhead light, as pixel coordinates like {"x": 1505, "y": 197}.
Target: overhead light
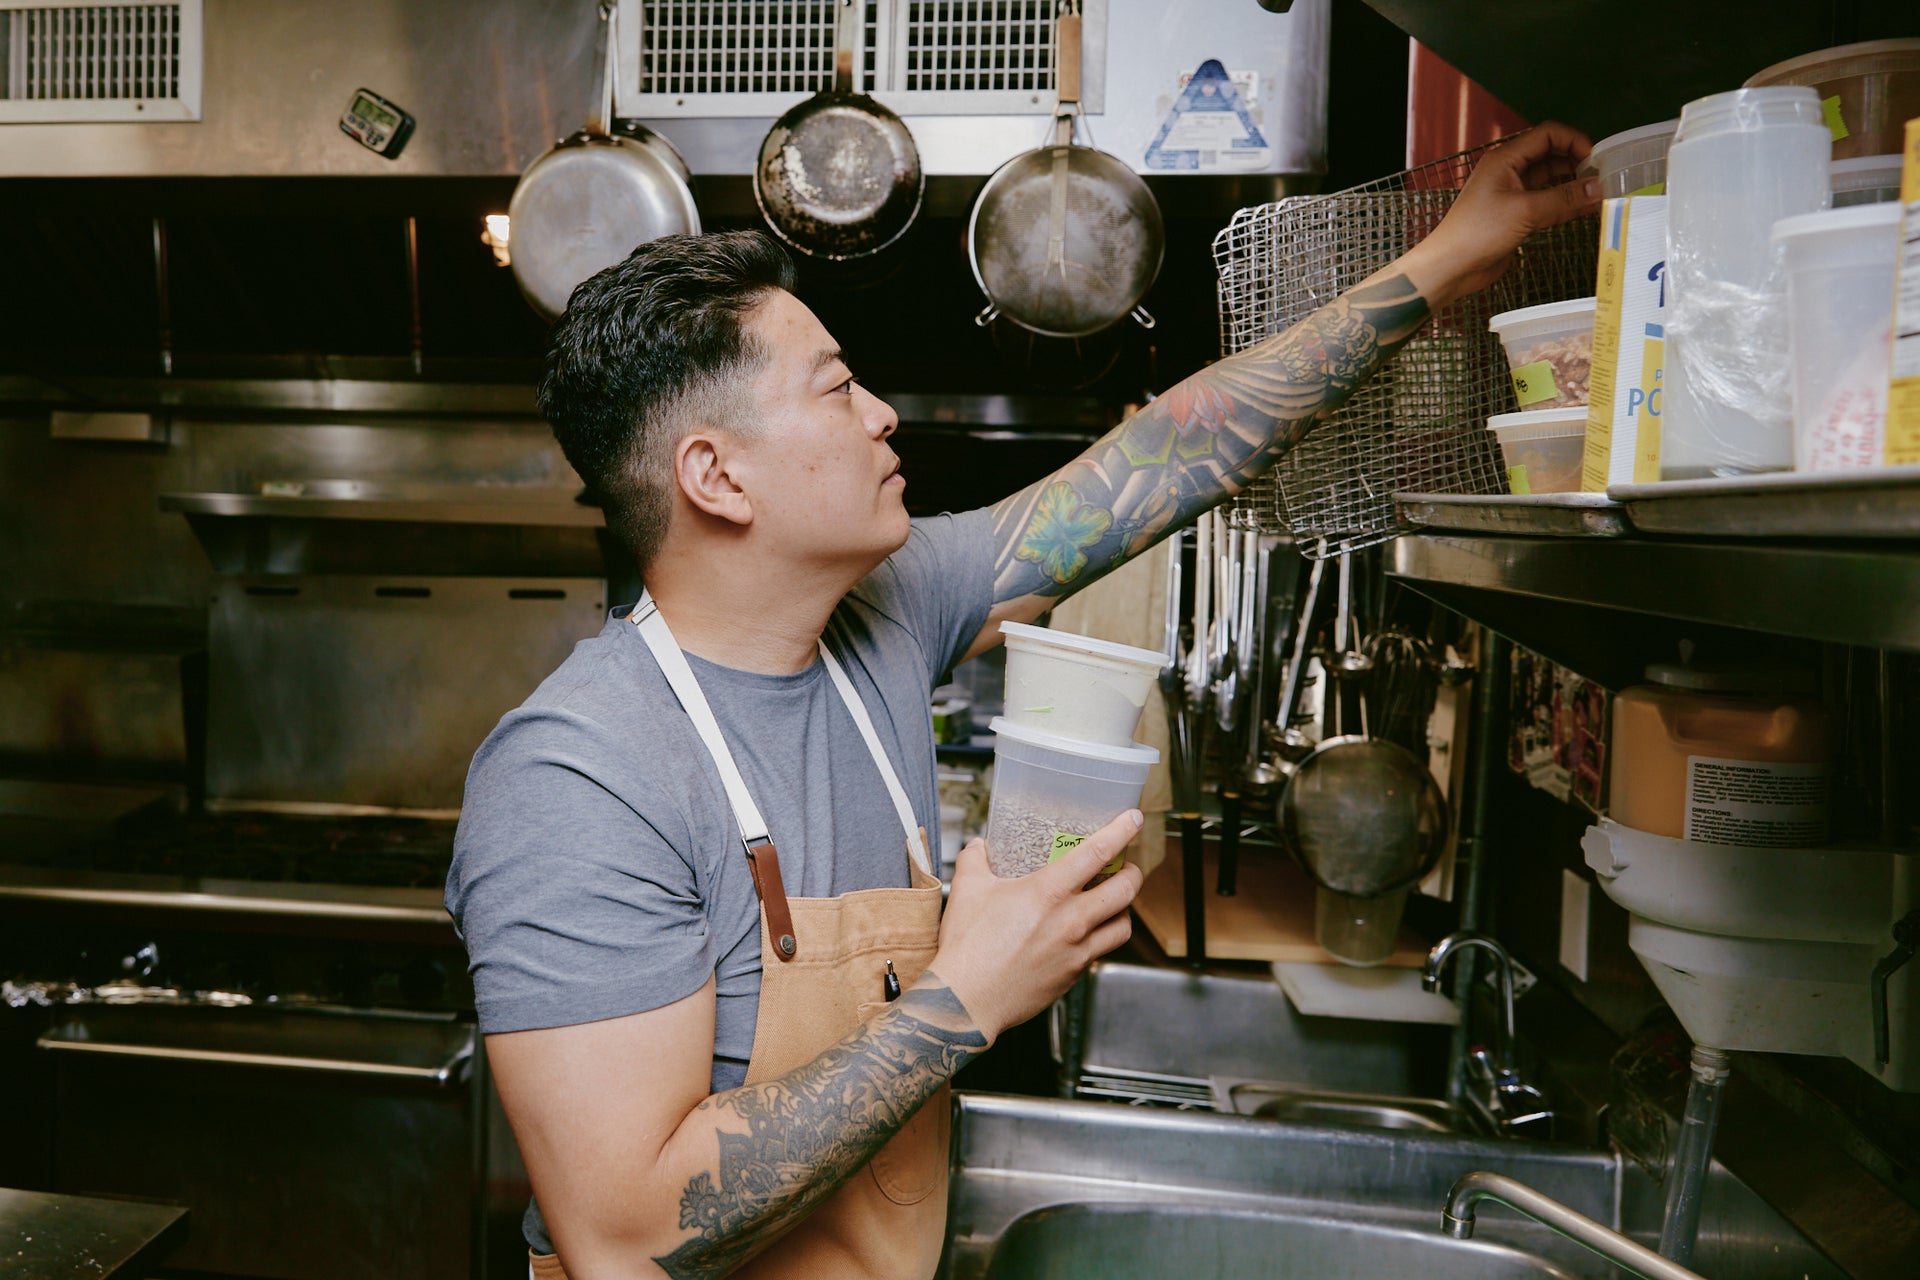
{"x": 499, "y": 229}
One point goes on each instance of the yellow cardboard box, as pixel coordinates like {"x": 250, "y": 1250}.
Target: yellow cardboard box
{"x": 1903, "y": 386}
{"x": 1629, "y": 343}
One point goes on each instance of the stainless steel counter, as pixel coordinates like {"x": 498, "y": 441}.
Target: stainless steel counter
{"x": 49, "y": 1237}
{"x": 418, "y": 914}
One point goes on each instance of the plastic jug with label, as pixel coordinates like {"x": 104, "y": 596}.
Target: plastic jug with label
{"x": 1722, "y": 756}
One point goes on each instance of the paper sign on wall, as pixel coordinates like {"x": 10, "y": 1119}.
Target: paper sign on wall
{"x": 1210, "y": 127}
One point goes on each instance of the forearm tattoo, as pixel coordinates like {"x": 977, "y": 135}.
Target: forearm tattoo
{"x": 812, "y": 1129}
{"x": 1205, "y": 439}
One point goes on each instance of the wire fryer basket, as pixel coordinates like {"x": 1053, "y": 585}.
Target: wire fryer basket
{"x": 1419, "y": 424}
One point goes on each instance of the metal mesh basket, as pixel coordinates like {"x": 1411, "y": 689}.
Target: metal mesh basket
{"x": 1419, "y": 424}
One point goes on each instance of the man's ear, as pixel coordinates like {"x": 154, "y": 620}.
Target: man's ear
{"x": 700, "y": 469}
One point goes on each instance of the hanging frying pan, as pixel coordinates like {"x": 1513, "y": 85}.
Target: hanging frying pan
{"x": 1065, "y": 240}
{"x": 586, "y": 204}
{"x": 839, "y": 176}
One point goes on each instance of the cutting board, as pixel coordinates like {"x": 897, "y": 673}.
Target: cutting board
{"x": 1381, "y": 994}
{"x": 1270, "y": 918}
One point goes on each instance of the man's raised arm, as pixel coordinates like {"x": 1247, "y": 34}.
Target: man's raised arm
{"x": 1210, "y": 435}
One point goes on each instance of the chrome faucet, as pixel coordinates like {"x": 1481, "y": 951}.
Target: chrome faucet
{"x": 1508, "y": 1105}
{"x": 1575, "y": 1226}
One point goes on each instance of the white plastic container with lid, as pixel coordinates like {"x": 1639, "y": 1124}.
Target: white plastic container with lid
{"x": 1550, "y": 351}
{"x": 1050, "y": 792}
{"x": 1840, "y": 267}
{"x": 1077, "y": 686}
{"x": 1634, "y": 161}
{"x": 1721, "y": 756}
{"x": 1740, "y": 162}
{"x": 1864, "y": 180}
{"x": 1543, "y": 450}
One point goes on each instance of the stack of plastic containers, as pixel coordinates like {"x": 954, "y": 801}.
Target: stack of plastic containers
{"x": 1864, "y": 180}
{"x": 1550, "y": 351}
{"x": 1064, "y": 760}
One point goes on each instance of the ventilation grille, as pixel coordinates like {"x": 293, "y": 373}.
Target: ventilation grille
{"x": 742, "y": 46}
{"x": 976, "y": 45}
{"x": 78, "y": 62}
{"x": 711, "y": 58}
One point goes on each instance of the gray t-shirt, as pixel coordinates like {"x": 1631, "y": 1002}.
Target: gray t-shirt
{"x": 597, "y": 871}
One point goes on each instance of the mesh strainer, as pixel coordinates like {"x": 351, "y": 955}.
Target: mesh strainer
{"x": 1364, "y": 816}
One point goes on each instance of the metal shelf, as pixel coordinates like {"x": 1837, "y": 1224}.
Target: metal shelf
{"x": 1599, "y": 604}
{"x": 356, "y": 528}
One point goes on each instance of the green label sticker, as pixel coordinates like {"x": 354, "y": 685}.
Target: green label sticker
{"x": 1517, "y": 480}
{"x": 1653, "y": 189}
{"x": 1065, "y": 840}
{"x": 1836, "y": 123}
{"x": 1533, "y": 383}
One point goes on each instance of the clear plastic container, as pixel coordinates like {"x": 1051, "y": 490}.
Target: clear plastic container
{"x": 1550, "y": 351}
{"x": 1077, "y": 686}
{"x": 1840, "y": 269}
{"x": 1544, "y": 450}
{"x": 1050, "y": 792}
{"x": 1634, "y": 162}
{"x": 1864, "y": 180}
{"x": 1873, "y": 88}
{"x": 1721, "y": 757}
{"x": 1740, "y": 162}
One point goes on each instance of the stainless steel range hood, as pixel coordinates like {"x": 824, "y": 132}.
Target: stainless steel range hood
{"x": 493, "y": 83}
{"x": 363, "y": 639}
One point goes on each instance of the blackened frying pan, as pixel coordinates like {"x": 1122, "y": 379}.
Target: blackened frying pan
{"x": 839, "y": 176}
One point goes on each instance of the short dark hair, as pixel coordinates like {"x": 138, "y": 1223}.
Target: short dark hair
{"x": 645, "y": 349}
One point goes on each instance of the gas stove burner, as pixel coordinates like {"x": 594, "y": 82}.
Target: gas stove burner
{"x": 367, "y": 852}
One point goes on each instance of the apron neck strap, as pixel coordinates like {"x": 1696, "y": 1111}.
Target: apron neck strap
{"x": 897, "y": 793}
{"x": 753, "y": 827}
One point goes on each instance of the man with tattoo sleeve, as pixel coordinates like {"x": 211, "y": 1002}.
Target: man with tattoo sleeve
{"x": 720, "y": 996}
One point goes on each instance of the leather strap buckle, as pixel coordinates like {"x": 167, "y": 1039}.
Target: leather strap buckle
{"x": 763, "y": 861}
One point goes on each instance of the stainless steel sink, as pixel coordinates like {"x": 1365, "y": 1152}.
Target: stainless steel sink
{"x": 1164, "y": 1035}
{"x": 1122, "y": 1242}
{"x": 1270, "y": 1101}
{"x": 1065, "y": 1189}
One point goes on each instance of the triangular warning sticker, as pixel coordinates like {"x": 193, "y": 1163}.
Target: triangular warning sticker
{"x": 1209, "y": 127}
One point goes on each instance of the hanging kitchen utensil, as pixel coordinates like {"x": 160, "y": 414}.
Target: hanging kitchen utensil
{"x": 1292, "y": 738}
{"x": 1364, "y": 816}
{"x": 1346, "y": 664}
{"x": 839, "y": 176}
{"x": 588, "y": 202}
{"x": 1402, "y": 687}
{"x": 1065, "y": 240}
{"x": 1183, "y": 764}
{"x": 1276, "y": 591}
{"x": 1232, "y": 694}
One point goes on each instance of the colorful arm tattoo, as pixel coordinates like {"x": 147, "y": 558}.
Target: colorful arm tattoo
{"x": 812, "y": 1129}
{"x": 1204, "y": 440}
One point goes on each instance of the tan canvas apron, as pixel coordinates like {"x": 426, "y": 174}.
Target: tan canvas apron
{"x": 822, "y": 972}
